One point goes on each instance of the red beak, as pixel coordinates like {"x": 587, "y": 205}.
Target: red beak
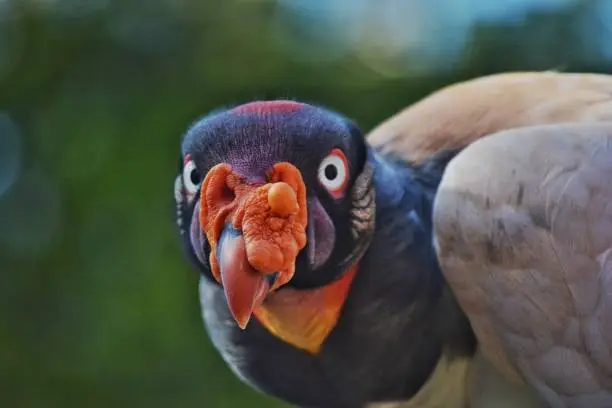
{"x": 245, "y": 288}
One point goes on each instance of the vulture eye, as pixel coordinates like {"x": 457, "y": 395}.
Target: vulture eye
{"x": 333, "y": 173}
{"x": 191, "y": 177}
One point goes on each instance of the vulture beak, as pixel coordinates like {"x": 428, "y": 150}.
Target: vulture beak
{"x": 255, "y": 233}
{"x": 245, "y": 287}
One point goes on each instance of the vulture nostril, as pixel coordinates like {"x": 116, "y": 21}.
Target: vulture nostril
{"x": 218, "y": 187}
{"x": 226, "y": 195}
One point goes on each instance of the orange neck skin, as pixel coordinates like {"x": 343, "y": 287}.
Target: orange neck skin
{"x": 304, "y": 318}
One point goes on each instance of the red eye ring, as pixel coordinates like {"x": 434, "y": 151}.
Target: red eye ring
{"x": 333, "y": 173}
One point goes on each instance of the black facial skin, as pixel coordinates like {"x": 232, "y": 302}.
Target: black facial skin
{"x": 399, "y": 314}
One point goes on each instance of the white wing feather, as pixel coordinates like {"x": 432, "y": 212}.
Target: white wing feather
{"x": 523, "y": 226}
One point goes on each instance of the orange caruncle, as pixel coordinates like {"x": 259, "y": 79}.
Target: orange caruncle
{"x": 272, "y": 217}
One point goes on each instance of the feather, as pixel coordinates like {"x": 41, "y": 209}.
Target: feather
{"x": 523, "y": 230}
{"x": 459, "y": 114}
{"x": 446, "y": 123}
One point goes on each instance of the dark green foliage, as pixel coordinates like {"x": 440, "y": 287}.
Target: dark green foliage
{"x": 98, "y": 307}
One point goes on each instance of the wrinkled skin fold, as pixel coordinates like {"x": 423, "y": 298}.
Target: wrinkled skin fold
{"x": 255, "y": 232}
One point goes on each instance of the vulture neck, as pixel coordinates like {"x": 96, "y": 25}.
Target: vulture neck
{"x": 405, "y": 195}
{"x": 442, "y": 342}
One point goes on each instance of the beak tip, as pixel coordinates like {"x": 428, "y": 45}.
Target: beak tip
{"x": 239, "y": 312}
{"x": 241, "y": 319}
{"x": 243, "y": 324}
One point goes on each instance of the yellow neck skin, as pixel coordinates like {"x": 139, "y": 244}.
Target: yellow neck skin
{"x": 304, "y": 318}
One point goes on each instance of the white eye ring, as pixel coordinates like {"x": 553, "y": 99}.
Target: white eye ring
{"x": 333, "y": 172}
{"x": 178, "y": 189}
{"x": 188, "y": 180}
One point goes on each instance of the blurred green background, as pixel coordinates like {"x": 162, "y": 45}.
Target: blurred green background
{"x": 97, "y": 306}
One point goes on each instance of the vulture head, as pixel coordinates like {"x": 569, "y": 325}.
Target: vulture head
{"x": 274, "y": 195}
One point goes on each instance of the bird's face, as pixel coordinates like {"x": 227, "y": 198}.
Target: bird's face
{"x": 273, "y": 194}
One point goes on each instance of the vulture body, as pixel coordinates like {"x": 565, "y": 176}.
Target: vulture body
{"x": 456, "y": 257}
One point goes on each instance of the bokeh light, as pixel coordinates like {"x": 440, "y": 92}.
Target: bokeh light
{"x": 396, "y": 37}
{"x": 597, "y": 28}
{"x": 30, "y": 214}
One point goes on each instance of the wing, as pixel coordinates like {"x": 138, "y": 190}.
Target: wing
{"x": 462, "y": 113}
{"x": 523, "y": 230}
